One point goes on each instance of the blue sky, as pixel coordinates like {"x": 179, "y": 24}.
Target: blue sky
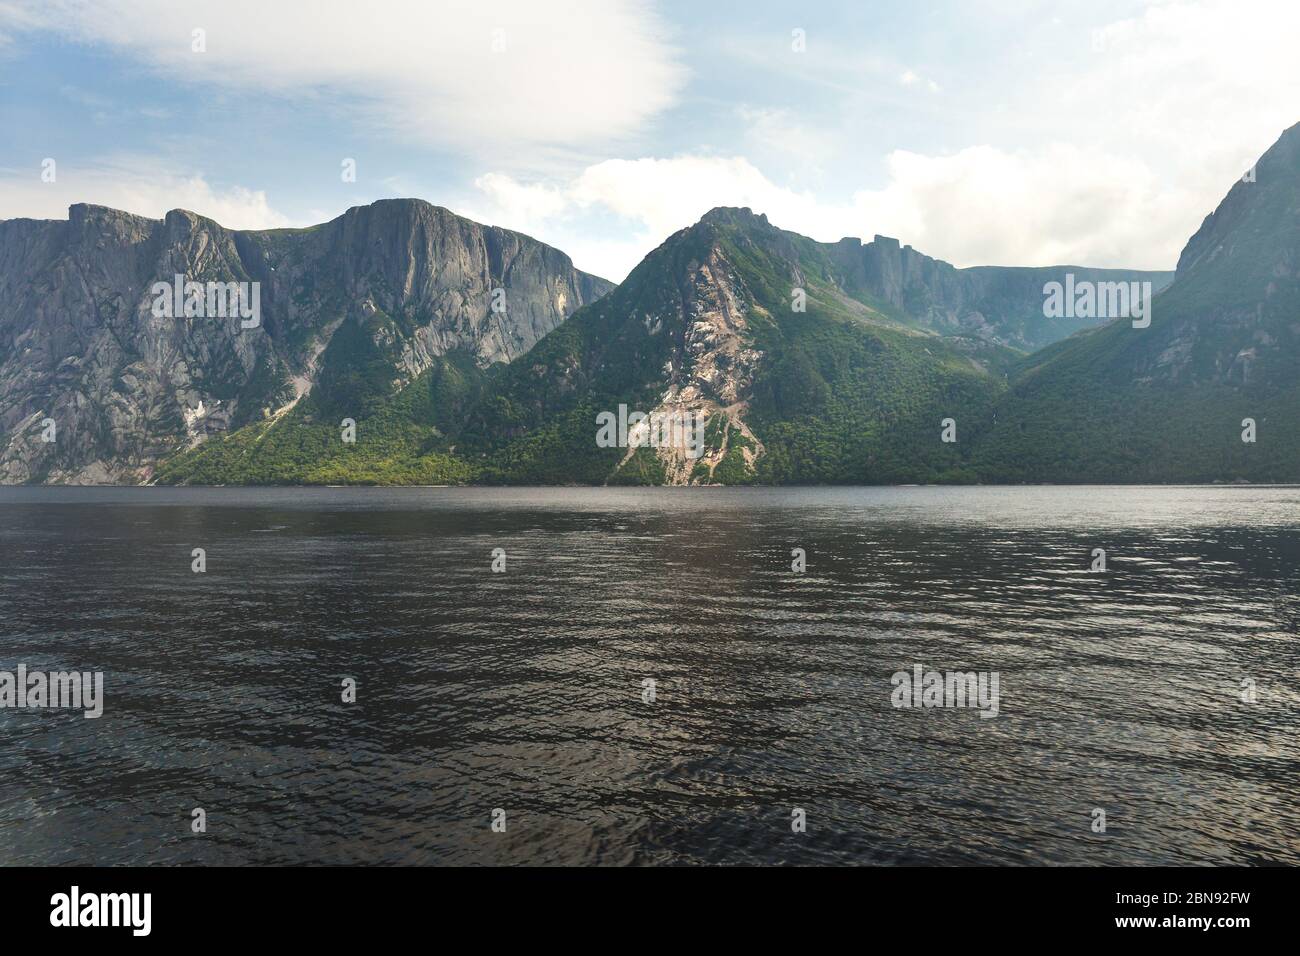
{"x": 1097, "y": 133}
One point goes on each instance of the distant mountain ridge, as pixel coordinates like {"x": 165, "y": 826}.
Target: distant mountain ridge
{"x": 1002, "y": 304}
{"x": 383, "y": 360}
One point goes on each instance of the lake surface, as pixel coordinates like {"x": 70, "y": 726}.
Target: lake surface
{"x": 523, "y": 691}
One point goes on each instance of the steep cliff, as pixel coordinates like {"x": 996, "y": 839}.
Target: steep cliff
{"x": 1001, "y": 304}
{"x": 797, "y": 374}
{"x": 1170, "y": 402}
{"x": 97, "y": 386}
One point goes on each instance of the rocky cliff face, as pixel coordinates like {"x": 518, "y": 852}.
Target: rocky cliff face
{"x": 1001, "y": 304}
{"x": 758, "y": 335}
{"x": 709, "y": 373}
{"x": 97, "y": 386}
{"x": 1232, "y": 316}
{"x": 1208, "y": 391}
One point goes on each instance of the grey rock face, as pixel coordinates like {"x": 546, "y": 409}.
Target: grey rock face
{"x": 998, "y": 304}
{"x": 1002, "y": 304}
{"x": 1232, "y": 316}
{"x": 81, "y": 347}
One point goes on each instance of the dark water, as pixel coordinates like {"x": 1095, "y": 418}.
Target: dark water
{"x": 523, "y": 690}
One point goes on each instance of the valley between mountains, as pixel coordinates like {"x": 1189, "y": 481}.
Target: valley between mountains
{"x": 464, "y": 353}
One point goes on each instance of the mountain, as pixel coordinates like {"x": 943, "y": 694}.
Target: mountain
{"x": 97, "y": 386}
{"x": 844, "y": 387}
{"x": 804, "y": 361}
{"x": 381, "y": 359}
{"x": 795, "y": 371}
{"x": 1167, "y": 403}
{"x": 1000, "y": 304}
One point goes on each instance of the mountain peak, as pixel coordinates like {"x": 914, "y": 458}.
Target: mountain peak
{"x": 1251, "y": 233}
{"x": 734, "y": 215}
{"x": 398, "y": 204}
{"x": 82, "y": 212}
{"x": 350, "y": 311}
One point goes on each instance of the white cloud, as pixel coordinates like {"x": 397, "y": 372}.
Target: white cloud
{"x": 1106, "y": 158}
{"x": 649, "y": 199}
{"x": 1191, "y": 84}
{"x": 912, "y": 78}
{"x": 1054, "y": 205}
{"x": 133, "y": 184}
{"x": 978, "y": 206}
{"x": 782, "y": 133}
{"x": 1110, "y": 157}
{"x": 527, "y": 203}
{"x": 439, "y": 73}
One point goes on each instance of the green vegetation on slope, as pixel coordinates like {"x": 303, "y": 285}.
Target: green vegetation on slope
{"x": 400, "y": 435}
{"x": 848, "y": 390}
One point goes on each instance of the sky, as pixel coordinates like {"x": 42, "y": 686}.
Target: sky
{"x": 983, "y": 132}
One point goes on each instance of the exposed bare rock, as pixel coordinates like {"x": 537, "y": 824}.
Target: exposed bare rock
{"x": 80, "y": 344}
